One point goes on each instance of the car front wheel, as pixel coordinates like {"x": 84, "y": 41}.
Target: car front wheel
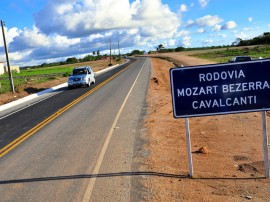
{"x": 94, "y": 81}
{"x": 88, "y": 83}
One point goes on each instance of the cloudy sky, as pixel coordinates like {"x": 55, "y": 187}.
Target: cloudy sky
{"x": 39, "y": 31}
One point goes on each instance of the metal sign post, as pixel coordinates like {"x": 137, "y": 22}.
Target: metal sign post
{"x": 265, "y": 145}
{"x": 189, "y": 148}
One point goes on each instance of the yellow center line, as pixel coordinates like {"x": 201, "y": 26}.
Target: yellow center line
{"x": 36, "y": 128}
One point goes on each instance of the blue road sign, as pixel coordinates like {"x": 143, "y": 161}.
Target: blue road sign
{"x": 220, "y": 88}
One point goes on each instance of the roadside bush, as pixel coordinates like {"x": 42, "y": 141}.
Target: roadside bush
{"x": 52, "y": 78}
{"x": 19, "y": 88}
{"x": 66, "y": 74}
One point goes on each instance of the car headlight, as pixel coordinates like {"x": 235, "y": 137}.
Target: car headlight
{"x": 83, "y": 78}
{"x": 69, "y": 79}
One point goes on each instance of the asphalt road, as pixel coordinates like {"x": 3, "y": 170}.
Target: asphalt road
{"x": 17, "y": 124}
{"x": 86, "y": 151}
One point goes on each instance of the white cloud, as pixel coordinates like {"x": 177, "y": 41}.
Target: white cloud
{"x": 30, "y": 39}
{"x": 208, "y": 21}
{"x": 201, "y": 30}
{"x": 65, "y": 28}
{"x": 241, "y": 35}
{"x": 18, "y": 55}
{"x": 246, "y": 28}
{"x": 190, "y": 23}
{"x": 182, "y": 33}
{"x": 203, "y": 3}
{"x": 94, "y": 37}
{"x": 33, "y": 40}
{"x": 216, "y": 28}
{"x": 269, "y": 25}
{"x": 250, "y": 19}
{"x": 64, "y": 8}
{"x": 208, "y": 41}
{"x": 251, "y": 28}
{"x": 133, "y": 31}
{"x": 81, "y": 17}
{"x": 9, "y": 35}
{"x": 186, "y": 41}
{"x": 222, "y": 35}
{"x": 229, "y": 25}
{"x": 183, "y": 8}
{"x": 171, "y": 42}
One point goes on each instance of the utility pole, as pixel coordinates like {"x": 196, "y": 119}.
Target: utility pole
{"x": 118, "y": 49}
{"x": 8, "y": 65}
{"x": 110, "y": 52}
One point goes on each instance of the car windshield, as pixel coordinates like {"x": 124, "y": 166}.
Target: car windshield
{"x": 79, "y": 71}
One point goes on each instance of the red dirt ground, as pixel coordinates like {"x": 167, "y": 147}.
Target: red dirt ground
{"x": 231, "y": 166}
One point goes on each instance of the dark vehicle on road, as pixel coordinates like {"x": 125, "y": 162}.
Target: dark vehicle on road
{"x": 240, "y": 59}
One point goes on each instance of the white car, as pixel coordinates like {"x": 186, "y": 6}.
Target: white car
{"x": 81, "y": 76}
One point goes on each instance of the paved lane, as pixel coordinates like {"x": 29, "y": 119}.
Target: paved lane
{"x": 57, "y": 162}
{"x": 17, "y": 124}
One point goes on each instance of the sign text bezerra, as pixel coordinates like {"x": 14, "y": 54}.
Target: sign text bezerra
{"x": 221, "y": 88}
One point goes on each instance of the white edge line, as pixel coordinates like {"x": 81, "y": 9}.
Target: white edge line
{"x": 29, "y": 105}
{"x": 88, "y": 192}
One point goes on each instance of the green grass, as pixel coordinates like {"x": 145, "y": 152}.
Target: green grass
{"x": 40, "y": 71}
{"x": 34, "y": 75}
{"x": 222, "y": 56}
{"x": 47, "y": 70}
{"x": 19, "y": 83}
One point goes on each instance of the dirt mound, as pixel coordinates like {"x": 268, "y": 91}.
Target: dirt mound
{"x": 247, "y": 168}
{"x": 203, "y": 150}
{"x": 155, "y": 80}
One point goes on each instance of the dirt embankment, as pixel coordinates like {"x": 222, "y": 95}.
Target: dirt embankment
{"x": 30, "y": 89}
{"x": 227, "y": 150}
{"x": 182, "y": 58}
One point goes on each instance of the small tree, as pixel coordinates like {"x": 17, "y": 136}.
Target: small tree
{"x": 180, "y": 48}
{"x": 159, "y": 47}
{"x": 236, "y": 42}
{"x": 137, "y": 52}
{"x": 71, "y": 60}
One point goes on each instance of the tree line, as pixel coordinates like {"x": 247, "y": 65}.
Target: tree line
{"x": 70, "y": 60}
{"x": 263, "y": 39}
